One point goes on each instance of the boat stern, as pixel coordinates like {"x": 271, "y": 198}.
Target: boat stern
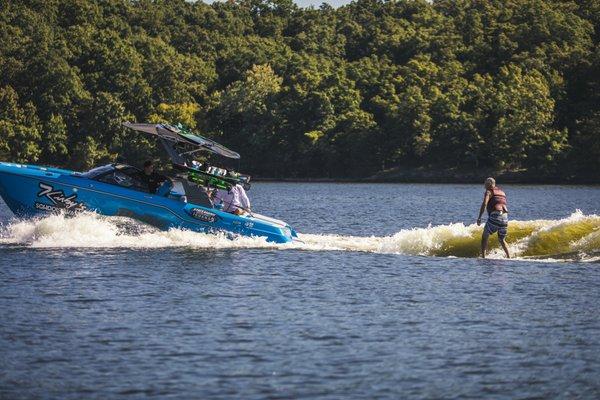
{"x": 275, "y": 230}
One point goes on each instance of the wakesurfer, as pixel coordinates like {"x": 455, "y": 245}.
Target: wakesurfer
{"x": 494, "y": 201}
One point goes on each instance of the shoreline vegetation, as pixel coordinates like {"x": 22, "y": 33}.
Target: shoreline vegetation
{"x": 428, "y": 175}
{"x": 376, "y": 90}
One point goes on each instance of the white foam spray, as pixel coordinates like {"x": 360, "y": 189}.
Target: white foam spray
{"x": 542, "y": 239}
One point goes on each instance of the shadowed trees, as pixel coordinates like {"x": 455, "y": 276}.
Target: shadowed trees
{"x": 316, "y": 92}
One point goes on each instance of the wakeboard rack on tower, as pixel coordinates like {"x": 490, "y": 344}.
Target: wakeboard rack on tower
{"x": 178, "y": 141}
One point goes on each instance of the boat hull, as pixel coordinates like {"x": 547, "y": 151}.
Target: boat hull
{"x": 31, "y": 191}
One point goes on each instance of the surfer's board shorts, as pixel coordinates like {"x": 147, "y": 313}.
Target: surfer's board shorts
{"x": 497, "y": 222}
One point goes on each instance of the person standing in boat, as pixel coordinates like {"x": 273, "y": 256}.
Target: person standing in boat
{"x": 494, "y": 201}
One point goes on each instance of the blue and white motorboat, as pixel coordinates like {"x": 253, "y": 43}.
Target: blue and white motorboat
{"x": 117, "y": 190}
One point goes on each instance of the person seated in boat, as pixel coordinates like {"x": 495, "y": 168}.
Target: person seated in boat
{"x": 153, "y": 180}
{"x": 244, "y": 199}
{"x": 234, "y": 200}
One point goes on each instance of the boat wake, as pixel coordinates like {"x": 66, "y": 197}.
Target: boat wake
{"x": 576, "y": 237}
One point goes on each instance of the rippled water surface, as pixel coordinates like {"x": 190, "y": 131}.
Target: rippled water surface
{"x": 384, "y": 299}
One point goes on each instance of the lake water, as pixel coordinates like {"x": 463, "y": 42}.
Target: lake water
{"x": 384, "y": 298}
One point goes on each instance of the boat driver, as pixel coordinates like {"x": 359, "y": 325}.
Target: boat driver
{"x": 152, "y": 179}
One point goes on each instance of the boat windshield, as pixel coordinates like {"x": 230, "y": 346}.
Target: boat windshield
{"x": 94, "y": 172}
{"x": 129, "y": 177}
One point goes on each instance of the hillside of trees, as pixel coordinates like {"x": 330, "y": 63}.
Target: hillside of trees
{"x": 503, "y": 85}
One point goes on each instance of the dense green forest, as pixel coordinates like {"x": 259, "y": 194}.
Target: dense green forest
{"x": 500, "y": 85}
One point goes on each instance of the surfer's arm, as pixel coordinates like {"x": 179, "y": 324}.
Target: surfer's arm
{"x": 486, "y": 198}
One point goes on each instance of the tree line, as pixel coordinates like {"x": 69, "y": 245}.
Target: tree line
{"x": 506, "y": 85}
